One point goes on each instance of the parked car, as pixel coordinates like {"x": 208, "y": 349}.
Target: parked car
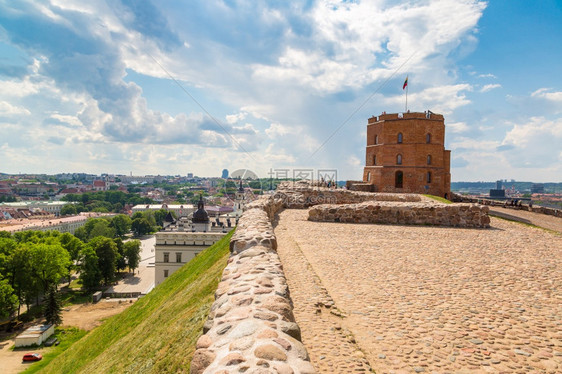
{"x": 32, "y": 357}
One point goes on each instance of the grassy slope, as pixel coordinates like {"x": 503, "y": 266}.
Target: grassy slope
{"x": 157, "y": 334}
{"x": 438, "y": 198}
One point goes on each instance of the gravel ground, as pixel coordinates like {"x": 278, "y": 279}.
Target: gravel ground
{"x": 425, "y": 299}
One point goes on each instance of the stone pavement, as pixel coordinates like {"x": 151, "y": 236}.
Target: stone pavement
{"x": 425, "y": 299}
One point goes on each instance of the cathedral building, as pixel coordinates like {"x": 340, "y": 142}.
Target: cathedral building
{"x": 406, "y": 153}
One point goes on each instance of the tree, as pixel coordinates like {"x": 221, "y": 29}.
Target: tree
{"x": 99, "y": 227}
{"x": 122, "y": 260}
{"x": 90, "y": 273}
{"x": 8, "y": 299}
{"x": 132, "y": 250}
{"x": 107, "y": 253}
{"x": 53, "y": 306}
{"x": 68, "y": 209}
{"x": 121, "y": 224}
{"x": 73, "y": 246}
{"x": 48, "y": 263}
{"x": 141, "y": 226}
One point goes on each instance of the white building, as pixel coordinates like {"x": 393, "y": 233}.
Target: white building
{"x": 34, "y": 335}
{"x": 179, "y": 243}
{"x": 53, "y": 207}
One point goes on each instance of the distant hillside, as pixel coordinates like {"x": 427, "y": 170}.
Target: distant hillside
{"x": 157, "y": 334}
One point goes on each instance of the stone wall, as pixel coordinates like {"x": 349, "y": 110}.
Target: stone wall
{"x": 251, "y": 327}
{"x": 426, "y": 213}
{"x": 303, "y": 194}
{"x": 503, "y": 204}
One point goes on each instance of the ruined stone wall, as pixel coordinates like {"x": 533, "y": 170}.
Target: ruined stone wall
{"x": 503, "y": 204}
{"x": 426, "y": 213}
{"x": 303, "y": 194}
{"x": 251, "y": 327}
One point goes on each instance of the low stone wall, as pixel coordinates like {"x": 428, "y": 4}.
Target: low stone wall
{"x": 303, "y": 194}
{"x": 251, "y": 327}
{"x": 502, "y": 204}
{"x": 426, "y": 213}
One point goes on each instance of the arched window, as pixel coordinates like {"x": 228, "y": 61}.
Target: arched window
{"x": 429, "y": 159}
{"x": 428, "y": 138}
{"x": 398, "y": 179}
{"x": 399, "y": 160}
{"x": 376, "y": 139}
{"x": 429, "y": 177}
{"x": 368, "y": 176}
{"x": 399, "y": 137}
{"x": 374, "y": 159}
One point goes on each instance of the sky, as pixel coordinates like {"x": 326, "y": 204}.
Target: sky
{"x": 175, "y": 87}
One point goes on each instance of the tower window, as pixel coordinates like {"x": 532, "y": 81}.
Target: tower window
{"x": 376, "y": 139}
{"x": 399, "y": 137}
{"x": 398, "y": 179}
{"x": 429, "y": 159}
{"x": 399, "y": 160}
{"x": 428, "y": 138}
{"x": 429, "y": 177}
{"x": 374, "y": 159}
{"x": 368, "y": 176}
{"x": 166, "y": 257}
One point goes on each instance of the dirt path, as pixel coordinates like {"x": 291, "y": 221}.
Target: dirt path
{"x": 429, "y": 299}
{"x": 85, "y": 316}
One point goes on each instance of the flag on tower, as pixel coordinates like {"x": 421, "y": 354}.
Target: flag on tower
{"x": 405, "y": 83}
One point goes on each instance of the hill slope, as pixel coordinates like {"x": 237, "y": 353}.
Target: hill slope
{"x": 157, "y": 334}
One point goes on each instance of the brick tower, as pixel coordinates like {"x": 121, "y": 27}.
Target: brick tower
{"x": 406, "y": 153}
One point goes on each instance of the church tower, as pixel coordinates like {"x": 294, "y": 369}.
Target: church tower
{"x": 406, "y": 153}
{"x": 239, "y": 199}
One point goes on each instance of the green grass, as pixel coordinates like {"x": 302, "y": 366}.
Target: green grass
{"x": 438, "y": 198}
{"x": 157, "y": 334}
{"x": 72, "y": 297}
{"x": 526, "y": 224}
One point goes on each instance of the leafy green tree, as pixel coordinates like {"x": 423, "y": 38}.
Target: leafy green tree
{"x": 141, "y": 226}
{"x": 90, "y": 273}
{"x": 52, "y": 308}
{"x": 107, "y": 253}
{"x": 48, "y": 263}
{"x": 73, "y": 246}
{"x": 99, "y": 227}
{"x": 121, "y": 224}
{"x": 122, "y": 260}
{"x": 8, "y": 299}
{"x": 68, "y": 209}
{"x": 132, "y": 250}
{"x": 81, "y": 234}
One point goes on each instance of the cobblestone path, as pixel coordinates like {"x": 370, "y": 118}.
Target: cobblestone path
{"x": 425, "y": 299}
{"x": 335, "y": 350}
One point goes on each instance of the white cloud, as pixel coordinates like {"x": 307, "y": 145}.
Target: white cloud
{"x": 6, "y": 109}
{"x": 489, "y": 87}
{"x": 457, "y": 127}
{"x": 544, "y": 93}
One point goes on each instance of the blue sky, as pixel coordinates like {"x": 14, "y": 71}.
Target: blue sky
{"x": 168, "y": 87}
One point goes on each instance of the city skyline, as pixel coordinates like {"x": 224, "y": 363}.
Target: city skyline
{"x": 168, "y": 88}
